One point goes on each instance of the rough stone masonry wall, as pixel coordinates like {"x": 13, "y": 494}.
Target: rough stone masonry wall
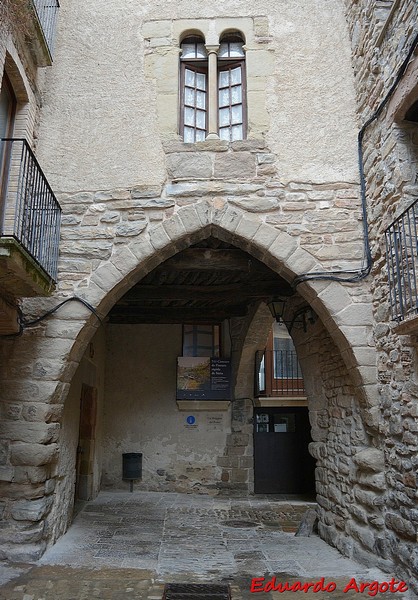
{"x": 248, "y": 334}
{"x": 350, "y": 480}
{"x": 380, "y": 42}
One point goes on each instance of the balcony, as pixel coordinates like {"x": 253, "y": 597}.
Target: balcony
{"x": 278, "y": 377}
{"x": 402, "y": 264}
{"x": 29, "y": 223}
{"x": 46, "y": 12}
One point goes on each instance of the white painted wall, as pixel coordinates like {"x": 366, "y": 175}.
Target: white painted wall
{"x": 141, "y": 414}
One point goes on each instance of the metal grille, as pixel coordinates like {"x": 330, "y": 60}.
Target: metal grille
{"x": 31, "y": 212}
{"x": 278, "y": 374}
{"x": 47, "y": 13}
{"x": 402, "y": 262}
{"x": 196, "y": 591}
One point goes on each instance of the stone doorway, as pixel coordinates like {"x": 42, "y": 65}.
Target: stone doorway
{"x": 282, "y": 463}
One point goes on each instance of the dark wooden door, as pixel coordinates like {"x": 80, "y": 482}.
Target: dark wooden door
{"x": 86, "y": 443}
{"x": 282, "y": 463}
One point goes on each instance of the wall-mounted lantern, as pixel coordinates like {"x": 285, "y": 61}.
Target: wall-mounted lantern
{"x": 304, "y": 315}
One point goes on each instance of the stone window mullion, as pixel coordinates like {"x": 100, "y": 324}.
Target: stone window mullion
{"x": 212, "y": 51}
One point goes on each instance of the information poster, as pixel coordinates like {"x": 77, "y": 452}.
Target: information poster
{"x": 203, "y": 378}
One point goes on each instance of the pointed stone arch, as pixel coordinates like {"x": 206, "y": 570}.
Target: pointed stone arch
{"x": 348, "y": 322}
{"x": 71, "y": 328}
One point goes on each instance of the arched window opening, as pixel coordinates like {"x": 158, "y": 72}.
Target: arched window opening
{"x": 212, "y": 94}
{"x": 279, "y": 374}
{"x": 231, "y": 86}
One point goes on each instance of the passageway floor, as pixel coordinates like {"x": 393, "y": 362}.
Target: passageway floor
{"x": 128, "y": 545}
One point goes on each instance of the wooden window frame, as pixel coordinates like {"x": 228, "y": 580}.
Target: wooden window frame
{"x": 195, "y": 334}
{"x": 228, "y": 64}
{"x": 197, "y": 66}
{"x": 201, "y": 65}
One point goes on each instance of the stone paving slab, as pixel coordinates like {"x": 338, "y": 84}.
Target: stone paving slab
{"x": 126, "y": 545}
{"x": 65, "y": 583}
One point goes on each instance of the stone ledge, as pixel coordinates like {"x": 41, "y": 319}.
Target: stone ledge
{"x": 20, "y": 274}
{"x": 407, "y": 327}
{"x": 253, "y": 145}
{"x": 288, "y": 401}
{"x": 193, "y": 405}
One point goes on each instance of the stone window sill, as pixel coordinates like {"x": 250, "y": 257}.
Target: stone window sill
{"x": 282, "y": 401}
{"x": 254, "y": 145}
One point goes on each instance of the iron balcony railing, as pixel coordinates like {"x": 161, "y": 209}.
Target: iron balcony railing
{"x": 278, "y": 374}
{"x": 47, "y": 13}
{"x": 30, "y": 211}
{"x": 402, "y": 262}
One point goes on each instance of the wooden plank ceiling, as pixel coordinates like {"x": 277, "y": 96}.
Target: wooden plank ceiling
{"x": 206, "y": 283}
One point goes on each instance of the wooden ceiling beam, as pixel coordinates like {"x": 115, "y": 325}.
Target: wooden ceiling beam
{"x": 181, "y": 314}
{"x": 208, "y": 259}
{"x": 260, "y": 289}
{"x": 161, "y": 320}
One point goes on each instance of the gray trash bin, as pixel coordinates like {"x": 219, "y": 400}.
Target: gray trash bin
{"x": 132, "y": 465}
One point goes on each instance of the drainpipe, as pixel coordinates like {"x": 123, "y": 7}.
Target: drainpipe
{"x": 358, "y": 275}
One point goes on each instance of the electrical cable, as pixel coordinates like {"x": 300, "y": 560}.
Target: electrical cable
{"x": 50, "y": 312}
{"x": 25, "y": 324}
{"x": 351, "y": 276}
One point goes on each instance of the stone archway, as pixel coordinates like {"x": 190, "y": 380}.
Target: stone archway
{"x": 58, "y": 345}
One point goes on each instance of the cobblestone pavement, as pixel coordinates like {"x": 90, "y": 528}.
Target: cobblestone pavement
{"x": 126, "y": 545}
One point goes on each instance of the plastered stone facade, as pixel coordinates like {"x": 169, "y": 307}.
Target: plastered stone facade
{"x": 133, "y": 195}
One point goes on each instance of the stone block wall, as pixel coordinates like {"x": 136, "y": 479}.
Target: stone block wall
{"x": 382, "y": 34}
{"x": 237, "y": 477}
{"x": 350, "y": 480}
{"x": 30, "y": 427}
